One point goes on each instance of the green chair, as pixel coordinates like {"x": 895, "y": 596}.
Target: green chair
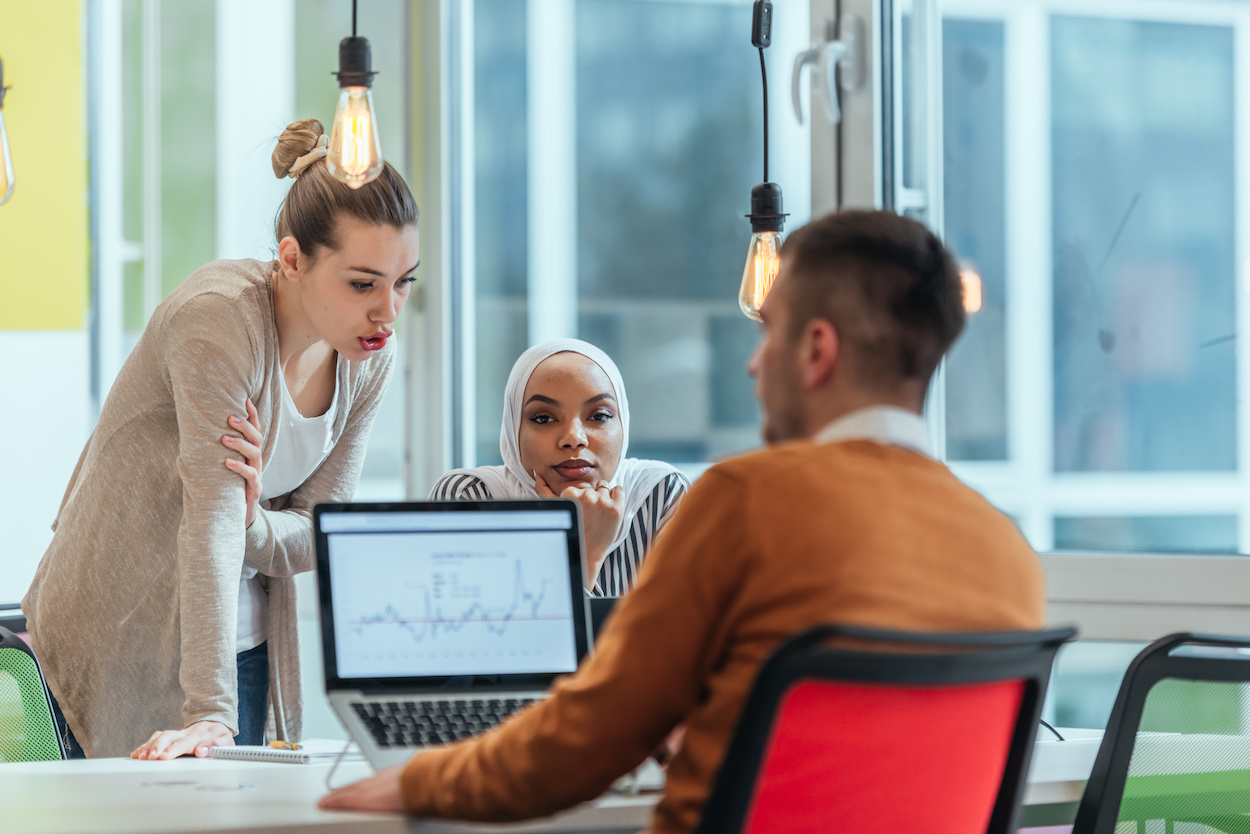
{"x": 1176, "y": 755}
{"x": 27, "y": 731}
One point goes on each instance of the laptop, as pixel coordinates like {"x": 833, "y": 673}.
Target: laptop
{"x": 440, "y": 619}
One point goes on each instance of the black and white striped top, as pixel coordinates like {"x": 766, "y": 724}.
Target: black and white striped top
{"x": 620, "y": 569}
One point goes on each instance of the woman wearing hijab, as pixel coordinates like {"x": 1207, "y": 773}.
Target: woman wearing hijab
{"x": 565, "y": 433}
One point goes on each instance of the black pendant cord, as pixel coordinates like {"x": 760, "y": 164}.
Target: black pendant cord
{"x": 764, "y": 75}
{"x": 353, "y": 18}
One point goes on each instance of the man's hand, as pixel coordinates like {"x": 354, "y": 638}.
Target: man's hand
{"x": 380, "y": 792}
{"x": 197, "y": 739}
{"x": 602, "y": 509}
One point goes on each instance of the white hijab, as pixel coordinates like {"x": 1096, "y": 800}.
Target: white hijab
{"x": 637, "y": 478}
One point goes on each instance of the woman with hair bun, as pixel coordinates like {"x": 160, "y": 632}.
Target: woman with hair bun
{"x": 163, "y": 612}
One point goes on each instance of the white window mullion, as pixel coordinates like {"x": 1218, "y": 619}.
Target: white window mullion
{"x": 255, "y": 102}
{"x": 151, "y": 156}
{"x": 431, "y": 316}
{"x": 551, "y": 61}
{"x": 1030, "y": 342}
{"x": 107, "y": 190}
{"x": 1241, "y": 283}
{"x": 824, "y": 150}
{"x": 466, "y": 233}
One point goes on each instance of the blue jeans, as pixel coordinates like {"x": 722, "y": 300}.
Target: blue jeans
{"x": 253, "y": 694}
{"x": 253, "y": 667}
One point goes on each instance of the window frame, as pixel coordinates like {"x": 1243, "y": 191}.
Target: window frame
{"x": 1025, "y": 484}
{"x": 1119, "y": 596}
{"x": 1114, "y": 596}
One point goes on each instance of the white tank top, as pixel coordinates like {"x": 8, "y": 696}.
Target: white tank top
{"x": 302, "y": 444}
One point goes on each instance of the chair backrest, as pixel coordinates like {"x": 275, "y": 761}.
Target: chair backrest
{"x": 27, "y": 731}
{"x": 884, "y": 732}
{"x": 1177, "y": 745}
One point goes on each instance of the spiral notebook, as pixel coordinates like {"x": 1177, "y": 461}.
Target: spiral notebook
{"x": 313, "y": 750}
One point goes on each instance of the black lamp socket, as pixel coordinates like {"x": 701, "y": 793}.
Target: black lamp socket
{"x": 762, "y": 24}
{"x": 355, "y": 63}
{"x": 767, "y": 214}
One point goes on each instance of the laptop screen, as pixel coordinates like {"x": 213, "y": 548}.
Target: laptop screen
{"x": 457, "y": 595}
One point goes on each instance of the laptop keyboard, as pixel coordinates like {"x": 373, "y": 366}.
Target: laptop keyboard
{"x": 412, "y": 723}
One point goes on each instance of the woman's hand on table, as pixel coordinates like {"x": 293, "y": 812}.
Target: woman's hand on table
{"x": 249, "y": 446}
{"x": 380, "y": 792}
{"x": 602, "y": 508}
{"x": 197, "y": 739}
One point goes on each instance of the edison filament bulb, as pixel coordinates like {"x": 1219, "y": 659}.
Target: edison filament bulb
{"x": 764, "y": 254}
{"x": 355, "y": 154}
{"x": 763, "y": 259}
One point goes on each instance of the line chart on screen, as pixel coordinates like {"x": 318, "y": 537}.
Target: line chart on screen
{"x": 438, "y": 604}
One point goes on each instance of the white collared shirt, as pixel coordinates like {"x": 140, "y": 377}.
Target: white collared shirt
{"x": 889, "y": 425}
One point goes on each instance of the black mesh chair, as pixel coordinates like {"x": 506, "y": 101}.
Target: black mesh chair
{"x": 1176, "y": 754}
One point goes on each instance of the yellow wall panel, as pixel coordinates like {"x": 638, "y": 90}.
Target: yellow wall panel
{"x": 44, "y": 230}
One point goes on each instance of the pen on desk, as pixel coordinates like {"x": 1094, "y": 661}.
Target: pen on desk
{"x": 285, "y": 745}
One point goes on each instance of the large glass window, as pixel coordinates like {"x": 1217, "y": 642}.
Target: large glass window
{"x": 662, "y": 113}
{"x": 1090, "y": 185}
{"x": 174, "y": 189}
{"x": 1091, "y": 159}
{"x": 1143, "y": 235}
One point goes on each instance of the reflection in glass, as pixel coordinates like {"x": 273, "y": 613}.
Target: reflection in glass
{"x": 1143, "y": 220}
{"x": 975, "y": 194}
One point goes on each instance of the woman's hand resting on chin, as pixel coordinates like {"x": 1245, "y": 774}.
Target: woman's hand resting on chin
{"x": 602, "y": 508}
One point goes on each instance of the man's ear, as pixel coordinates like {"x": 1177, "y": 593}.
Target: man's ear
{"x": 290, "y": 257}
{"x": 821, "y": 352}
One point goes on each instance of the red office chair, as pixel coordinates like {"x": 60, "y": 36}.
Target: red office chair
{"x": 932, "y": 733}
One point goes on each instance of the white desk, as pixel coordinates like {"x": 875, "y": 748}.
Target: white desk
{"x": 121, "y": 796}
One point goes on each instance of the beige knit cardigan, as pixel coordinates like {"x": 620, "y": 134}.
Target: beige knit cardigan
{"x": 133, "y": 609}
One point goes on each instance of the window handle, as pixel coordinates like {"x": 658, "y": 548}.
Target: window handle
{"x": 840, "y": 65}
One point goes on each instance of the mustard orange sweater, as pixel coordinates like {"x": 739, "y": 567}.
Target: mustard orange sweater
{"x": 763, "y": 546}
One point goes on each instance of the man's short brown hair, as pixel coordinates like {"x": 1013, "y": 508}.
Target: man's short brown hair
{"x": 886, "y": 283}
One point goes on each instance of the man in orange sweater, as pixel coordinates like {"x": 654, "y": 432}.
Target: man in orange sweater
{"x": 845, "y": 518}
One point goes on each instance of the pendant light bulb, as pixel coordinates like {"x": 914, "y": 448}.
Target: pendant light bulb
{"x": 7, "y": 182}
{"x": 763, "y": 259}
{"x": 764, "y": 253}
{"x": 355, "y": 154}
{"x": 767, "y": 218}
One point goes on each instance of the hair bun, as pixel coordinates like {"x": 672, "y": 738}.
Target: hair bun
{"x": 298, "y": 139}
